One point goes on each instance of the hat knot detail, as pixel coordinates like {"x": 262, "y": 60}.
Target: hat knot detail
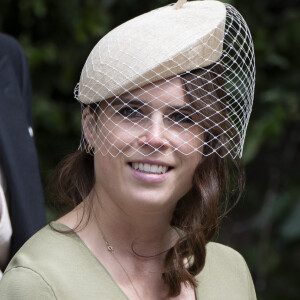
{"x": 179, "y": 4}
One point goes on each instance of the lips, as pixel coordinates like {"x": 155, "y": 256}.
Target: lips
{"x": 150, "y": 168}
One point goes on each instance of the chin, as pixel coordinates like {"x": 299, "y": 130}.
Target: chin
{"x": 153, "y": 202}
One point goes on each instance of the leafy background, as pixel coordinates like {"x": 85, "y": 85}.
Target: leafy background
{"x": 265, "y": 226}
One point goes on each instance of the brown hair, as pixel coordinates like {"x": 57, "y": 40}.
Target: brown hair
{"x": 198, "y": 213}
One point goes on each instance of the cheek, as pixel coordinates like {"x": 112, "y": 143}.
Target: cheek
{"x": 101, "y": 167}
{"x": 104, "y": 166}
{"x": 113, "y": 138}
{"x": 190, "y": 143}
{"x": 107, "y": 174}
{"x": 190, "y": 163}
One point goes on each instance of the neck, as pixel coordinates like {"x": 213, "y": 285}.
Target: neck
{"x": 145, "y": 232}
{"x": 140, "y": 240}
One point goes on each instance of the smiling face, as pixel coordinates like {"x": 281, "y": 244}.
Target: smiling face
{"x": 151, "y": 135}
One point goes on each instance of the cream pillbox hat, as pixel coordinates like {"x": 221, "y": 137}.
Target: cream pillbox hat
{"x": 158, "y": 44}
{"x": 207, "y": 44}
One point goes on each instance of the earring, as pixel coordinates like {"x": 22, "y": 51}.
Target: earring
{"x": 90, "y": 150}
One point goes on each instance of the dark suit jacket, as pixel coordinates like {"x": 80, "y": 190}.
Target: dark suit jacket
{"x": 18, "y": 157}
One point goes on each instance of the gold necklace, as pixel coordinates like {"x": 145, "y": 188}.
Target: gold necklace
{"x": 112, "y": 252}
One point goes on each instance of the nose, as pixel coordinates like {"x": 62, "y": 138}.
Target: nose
{"x": 155, "y": 135}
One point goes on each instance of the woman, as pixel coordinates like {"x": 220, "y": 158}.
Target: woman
{"x": 166, "y": 99}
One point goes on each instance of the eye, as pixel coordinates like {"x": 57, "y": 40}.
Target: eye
{"x": 129, "y": 112}
{"x": 179, "y": 117}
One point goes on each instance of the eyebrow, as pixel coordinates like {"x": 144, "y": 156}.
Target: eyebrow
{"x": 186, "y": 108}
{"x": 128, "y": 101}
{"x": 138, "y": 102}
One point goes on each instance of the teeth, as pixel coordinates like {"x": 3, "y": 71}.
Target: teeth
{"x": 147, "y": 168}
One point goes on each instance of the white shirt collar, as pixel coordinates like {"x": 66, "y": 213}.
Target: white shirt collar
{"x": 5, "y": 224}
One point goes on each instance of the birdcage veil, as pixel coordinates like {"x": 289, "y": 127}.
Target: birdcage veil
{"x": 130, "y": 84}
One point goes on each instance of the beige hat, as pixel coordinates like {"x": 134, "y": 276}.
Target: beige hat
{"x": 207, "y": 44}
{"x": 159, "y": 44}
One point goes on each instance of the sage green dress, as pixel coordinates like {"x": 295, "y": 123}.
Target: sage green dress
{"x": 53, "y": 265}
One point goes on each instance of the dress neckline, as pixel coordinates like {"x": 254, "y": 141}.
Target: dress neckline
{"x": 63, "y": 227}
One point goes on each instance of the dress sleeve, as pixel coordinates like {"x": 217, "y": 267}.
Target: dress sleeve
{"x": 21, "y": 283}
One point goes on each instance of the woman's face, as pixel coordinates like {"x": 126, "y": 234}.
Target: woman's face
{"x": 146, "y": 142}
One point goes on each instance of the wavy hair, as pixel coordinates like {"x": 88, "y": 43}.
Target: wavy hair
{"x": 197, "y": 214}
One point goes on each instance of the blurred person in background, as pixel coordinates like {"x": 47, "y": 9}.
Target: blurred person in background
{"x": 22, "y": 209}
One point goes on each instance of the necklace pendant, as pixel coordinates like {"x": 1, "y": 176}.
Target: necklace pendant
{"x": 109, "y": 247}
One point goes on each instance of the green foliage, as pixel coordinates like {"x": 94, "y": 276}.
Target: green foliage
{"x": 265, "y": 227}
